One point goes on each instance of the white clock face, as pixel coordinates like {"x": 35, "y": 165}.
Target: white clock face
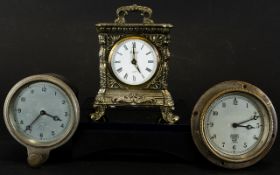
{"x": 134, "y": 61}
{"x": 234, "y": 123}
{"x": 41, "y": 111}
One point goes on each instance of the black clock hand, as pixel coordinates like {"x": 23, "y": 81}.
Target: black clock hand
{"x": 134, "y": 61}
{"x": 133, "y": 51}
{"x": 235, "y": 125}
{"x": 28, "y": 127}
{"x": 138, "y": 69}
{"x": 54, "y": 117}
{"x": 255, "y": 117}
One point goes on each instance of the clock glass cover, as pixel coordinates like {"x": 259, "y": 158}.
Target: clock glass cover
{"x": 41, "y": 111}
{"x": 234, "y": 123}
{"x": 134, "y": 60}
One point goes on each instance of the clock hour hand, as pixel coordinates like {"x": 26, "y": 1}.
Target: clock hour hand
{"x": 138, "y": 69}
{"x": 235, "y": 125}
{"x": 54, "y": 117}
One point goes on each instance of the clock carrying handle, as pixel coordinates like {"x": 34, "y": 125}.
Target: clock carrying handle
{"x": 146, "y": 12}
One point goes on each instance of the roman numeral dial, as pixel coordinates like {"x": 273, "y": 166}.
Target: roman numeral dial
{"x": 134, "y": 60}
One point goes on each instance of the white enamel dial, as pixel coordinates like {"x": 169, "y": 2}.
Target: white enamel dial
{"x": 234, "y": 123}
{"x": 134, "y": 61}
{"x": 41, "y": 111}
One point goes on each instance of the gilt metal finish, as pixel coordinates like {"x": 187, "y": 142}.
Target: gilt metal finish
{"x": 146, "y": 12}
{"x": 221, "y": 159}
{"x": 151, "y": 93}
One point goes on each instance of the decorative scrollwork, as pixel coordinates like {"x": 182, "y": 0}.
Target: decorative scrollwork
{"x": 111, "y": 82}
{"x": 101, "y": 38}
{"x": 99, "y": 112}
{"x": 168, "y": 115}
{"x": 146, "y": 12}
{"x": 112, "y": 39}
{"x": 156, "y": 83}
{"x": 159, "y": 39}
{"x": 153, "y": 93}
{"x": 99, "y": 98}
{"x": 102, "y": 68}
{"x": 134, "y": 98}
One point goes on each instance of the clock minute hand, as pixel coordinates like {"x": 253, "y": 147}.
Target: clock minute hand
{"x": 28, "y": 127}
{"x": 255, "y": 117}
{"x": 133, "y": 51}
{"x": 134, "y": 61}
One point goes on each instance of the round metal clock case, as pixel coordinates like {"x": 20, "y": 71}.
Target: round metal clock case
{"x": 133, "y": 60}
{"x": 234, "y": 124}
{"x": 41, "y": 112}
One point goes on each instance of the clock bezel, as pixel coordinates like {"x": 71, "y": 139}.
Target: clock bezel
{"x": 206, "y": 139}
{"x": 111, "y": 53}
{"x": 232, "y": 161}
{"x": 33, "y": 143}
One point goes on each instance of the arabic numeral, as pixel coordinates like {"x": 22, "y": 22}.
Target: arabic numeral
{"x": 19, "y": 110}
{"x": 44, "y": 89}
{"x": 213, "y": 137}
{"x": 215, "y": 113}
{"x": 245, "y": 145}
{"x": 235, "y": 102}
{"x": 22, "y": 99}
{"x": 210, "y": 124}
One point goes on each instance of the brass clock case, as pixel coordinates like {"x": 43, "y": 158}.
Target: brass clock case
{"x": 217, "y": 157}
{"x": 38, "y": 152}
{"x": 153, "y": 92}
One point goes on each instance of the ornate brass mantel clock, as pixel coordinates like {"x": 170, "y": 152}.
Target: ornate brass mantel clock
{"x": 134, "y": 64}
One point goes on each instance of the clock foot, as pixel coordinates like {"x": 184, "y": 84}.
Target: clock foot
{"x": 99, "y": 112}
{"x": 168, "y": 115}
{"x": 37, "y": 159}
